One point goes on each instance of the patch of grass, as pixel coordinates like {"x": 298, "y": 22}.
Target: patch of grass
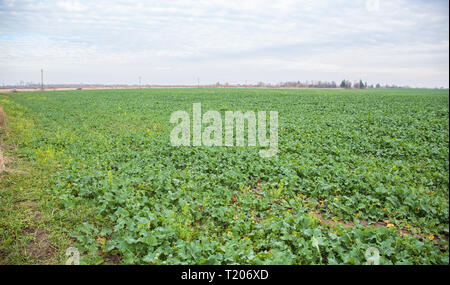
{"x": 32, "y": 230}
{"x": 29, "y": 234}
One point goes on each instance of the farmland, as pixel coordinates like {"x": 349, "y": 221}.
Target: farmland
{"x": 354, "y": 169}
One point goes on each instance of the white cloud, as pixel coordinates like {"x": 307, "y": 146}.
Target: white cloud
{"x": 103, "y": 41}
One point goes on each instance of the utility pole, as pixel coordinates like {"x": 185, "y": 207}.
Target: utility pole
{"x": 42, "y": 79}
{"x": 198, "y": 82}
{"x": 139, "y": 81}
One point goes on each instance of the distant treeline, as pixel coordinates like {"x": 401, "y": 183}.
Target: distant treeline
{"x": 327, "y": 84}
{"x": 347, "y": 84}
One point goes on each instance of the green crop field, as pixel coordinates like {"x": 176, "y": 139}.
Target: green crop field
{"x": 355, "y": 169}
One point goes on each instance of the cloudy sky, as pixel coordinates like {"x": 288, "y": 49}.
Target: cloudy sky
{"x": 176, "y": 42}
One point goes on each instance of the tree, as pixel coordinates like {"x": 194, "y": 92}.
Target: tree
{"x": 346, "y": 84}
{"x": 361, "y": 84}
